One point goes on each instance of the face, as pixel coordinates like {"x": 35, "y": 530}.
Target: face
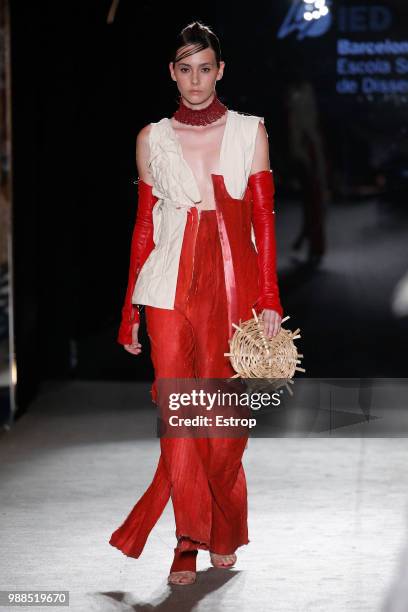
{"x": 196, "y": 75}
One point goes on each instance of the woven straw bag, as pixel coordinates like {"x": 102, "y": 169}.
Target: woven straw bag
{"x": 253, "y": 355}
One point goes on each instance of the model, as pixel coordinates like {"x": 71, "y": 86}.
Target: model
{"x": 203, "y": 255}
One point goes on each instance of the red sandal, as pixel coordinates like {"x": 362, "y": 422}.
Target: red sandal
{"x": 183, "y": 568}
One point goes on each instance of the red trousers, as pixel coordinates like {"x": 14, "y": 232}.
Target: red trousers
{"x": 204, "y": 476}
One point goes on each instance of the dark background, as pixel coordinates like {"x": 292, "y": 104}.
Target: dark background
{"x": 82, "y": 89}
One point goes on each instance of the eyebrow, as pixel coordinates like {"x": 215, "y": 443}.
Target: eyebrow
{"x": 204, "y": 64}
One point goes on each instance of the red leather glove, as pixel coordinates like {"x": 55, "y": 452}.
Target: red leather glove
{"x": 141, "y": 246}
{"x": 262, "y": 187}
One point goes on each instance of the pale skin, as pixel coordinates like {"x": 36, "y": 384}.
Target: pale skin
{"x": 201, "y": 150}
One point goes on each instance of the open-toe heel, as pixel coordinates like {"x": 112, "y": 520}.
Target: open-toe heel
{"x": 219, "y": 560}
{"x": 183, "y": 568}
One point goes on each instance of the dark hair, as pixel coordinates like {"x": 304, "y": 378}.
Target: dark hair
{"x": 199, "y": 35}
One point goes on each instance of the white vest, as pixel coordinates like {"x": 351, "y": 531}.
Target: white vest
{"x": 175, "y": 186}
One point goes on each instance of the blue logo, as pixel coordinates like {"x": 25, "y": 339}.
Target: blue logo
{"x": 308, "y": 18}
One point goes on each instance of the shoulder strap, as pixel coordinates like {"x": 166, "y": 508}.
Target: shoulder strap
{"x": 250, "y": 125}
{"x": 239, "y": 152}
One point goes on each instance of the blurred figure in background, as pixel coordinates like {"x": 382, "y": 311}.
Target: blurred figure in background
{"x": 306, "y": 152}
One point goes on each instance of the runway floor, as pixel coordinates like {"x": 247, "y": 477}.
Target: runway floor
{"x": 327, "y": 516}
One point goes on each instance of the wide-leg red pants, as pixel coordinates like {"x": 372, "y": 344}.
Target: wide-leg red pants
{"x": 204, "y": 476}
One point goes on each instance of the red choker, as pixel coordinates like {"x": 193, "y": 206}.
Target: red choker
{"x": 201, "y": 116}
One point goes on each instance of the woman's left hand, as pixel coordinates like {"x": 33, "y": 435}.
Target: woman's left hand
{"x": 272, "y": 321}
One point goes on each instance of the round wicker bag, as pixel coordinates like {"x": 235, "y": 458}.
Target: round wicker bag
{"x": 253, "y": 355}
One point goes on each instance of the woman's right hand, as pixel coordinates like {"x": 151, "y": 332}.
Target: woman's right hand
{"x": 135, "y": 347}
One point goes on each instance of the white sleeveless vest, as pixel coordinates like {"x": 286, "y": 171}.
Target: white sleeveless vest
{"x": 175, "y": 186}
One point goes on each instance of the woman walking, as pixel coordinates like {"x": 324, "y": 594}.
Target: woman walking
{"x": 203, "y": 255}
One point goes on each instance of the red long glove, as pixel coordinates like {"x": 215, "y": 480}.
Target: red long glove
{"x": 262, "y": 187}
{"x": 141, "y": 246}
